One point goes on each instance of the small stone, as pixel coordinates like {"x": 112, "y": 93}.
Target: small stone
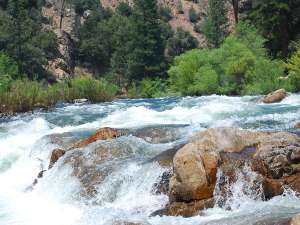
{"x": 56, "y": 154}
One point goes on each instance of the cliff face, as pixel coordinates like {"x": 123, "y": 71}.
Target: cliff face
{"x": 63, "y": 66}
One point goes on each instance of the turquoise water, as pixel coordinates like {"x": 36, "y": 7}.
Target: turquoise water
{"x": 126, "y": 193}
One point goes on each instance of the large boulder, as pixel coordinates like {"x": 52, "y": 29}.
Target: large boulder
{"x": 274, "y": 156}
{"x": 276, "y": 96}
{"x": 196, "y": 164}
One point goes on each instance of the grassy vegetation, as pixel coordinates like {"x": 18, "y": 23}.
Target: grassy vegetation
{"x": 23, "y": 95}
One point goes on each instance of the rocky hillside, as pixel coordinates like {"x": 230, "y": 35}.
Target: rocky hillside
{"x": 64, "y": 65}
{"x": 181, "y": 19}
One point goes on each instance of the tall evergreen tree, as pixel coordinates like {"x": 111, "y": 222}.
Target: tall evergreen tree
{"x": 215, "y": 25}
{"x": 148, "y": 54}
{"x": 279, "y": 22}
{"x": 24, "y": 40}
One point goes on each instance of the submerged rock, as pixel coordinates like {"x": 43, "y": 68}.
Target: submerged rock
{"x": 162, "y": 186}
{"x": 276, "y": 96}
{"x": 185, "y": 209}
{"x": 158, "y": 135}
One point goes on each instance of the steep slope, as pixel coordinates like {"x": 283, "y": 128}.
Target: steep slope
{"x": 181, "y": 19}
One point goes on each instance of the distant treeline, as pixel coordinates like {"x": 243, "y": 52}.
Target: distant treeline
{"x": 136, "y": 48}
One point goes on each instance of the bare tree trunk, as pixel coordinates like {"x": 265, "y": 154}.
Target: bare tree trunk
{"x": 235, "y": 5}
{"x": 62, "y": 13}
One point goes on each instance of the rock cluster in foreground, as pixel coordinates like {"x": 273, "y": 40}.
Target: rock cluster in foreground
{"x": 274, "y": 156}
{"x": 191, "y": 181}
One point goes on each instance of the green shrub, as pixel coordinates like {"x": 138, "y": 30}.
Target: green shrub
{"x": 148, "y": 88}
{"x": 264, "y": 77}
{"x": 293, "y": 67}
{"x": 153, "y": 88}
{"x": 24, "y": 95}
{"x": 205, "y": 82}
{"x": 8, "y": 67}
{"x": 91, "y": 89}
{"x": 239, "y": 66}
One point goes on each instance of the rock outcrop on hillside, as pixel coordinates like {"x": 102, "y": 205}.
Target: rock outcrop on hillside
{"x": 63, "y": 66}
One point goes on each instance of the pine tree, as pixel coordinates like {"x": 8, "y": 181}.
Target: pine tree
{"x": 215, "y": 25}
{"x": 148, "y": 54}
{"x": 279, "y": 22}
{"x": 22, "y": 37}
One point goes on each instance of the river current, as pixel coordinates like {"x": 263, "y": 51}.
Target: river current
{"x": 126, "y": 194}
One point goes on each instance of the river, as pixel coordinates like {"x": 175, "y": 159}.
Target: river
{"x": 126, "y": 193}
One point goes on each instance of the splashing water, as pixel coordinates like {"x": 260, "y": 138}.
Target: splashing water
{"x": 125, "y": 194}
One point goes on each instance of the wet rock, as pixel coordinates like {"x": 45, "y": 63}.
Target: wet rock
{"x": 36, "y": 180}
{"x": 63, "y": 140}
{"x": 56, "y": 154}
{"x": 277, "y": 155}
{"x": 185, "y": 209}
{"x": 162, "y": 187}
{"x": 157, "y": 135}
{"x": 295, "y": 220}
{"x": 295, "y": 155}
{"x": 165, "y": 159}
{"x": 297, "y": 125}
{"x": 272, "y": 187}
{"x": 273, "y": 155}
{"x": 101, "y": 134}
{"x": 276, "y": 96}
{"x": 195, "y": 165}
{"x": 93, "y": 163}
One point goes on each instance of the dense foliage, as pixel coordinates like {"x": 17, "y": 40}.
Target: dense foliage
{"x": 239, "y": 66}
{"x": 278, "y": 21}
{"x": 134, "y": 47}
{"x": 22, "y": 37}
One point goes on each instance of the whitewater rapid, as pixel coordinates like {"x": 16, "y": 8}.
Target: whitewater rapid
{"x": 126, "y": 194}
